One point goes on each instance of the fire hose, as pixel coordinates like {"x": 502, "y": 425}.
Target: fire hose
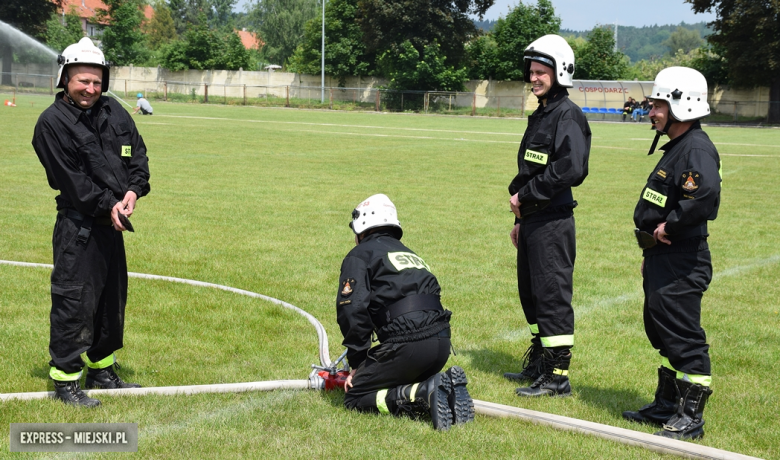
{"x": 327, "y": 376}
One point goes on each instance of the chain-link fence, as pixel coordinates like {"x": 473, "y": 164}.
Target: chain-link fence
{"x": 368, "y": 99}
{"x": 334, "y": 98}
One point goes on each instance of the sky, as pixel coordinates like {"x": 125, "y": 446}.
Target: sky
{"x": 583, "y": 15}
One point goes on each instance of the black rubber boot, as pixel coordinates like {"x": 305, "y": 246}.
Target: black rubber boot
{"x": 532, "y": 363}
{"x": 70, "y": 393}
{"x": 687, "y": 423}
{"x": 106, "y": 379}
{"x": 431, "y": 397}
{"x": 461, "y": 404}
{"x": 664, "y": 406}
{"x": 554, "y": 380}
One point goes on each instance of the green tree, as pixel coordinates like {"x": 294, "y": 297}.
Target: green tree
{"x": 59, "y": 36}
{"x": 204, "y": 48}
{"x": 523, "y": 25}
{"x": 30, "y": 17}
{"x": 748, "y": 33}
{"x": 597, "y": 59}
{"x": 186, "y": 12}
{"x": 220, "y": 12}
{"x": 405, "y": 69}
{"x": 482, "y": 57}
{"x": 160, "y": 29}
{"x": 345, "y": 52}
{"x": 386, "y": 24}
{"x": 281, "y": 24}
{"x": 123, "y": 41}
{"x": 683, "y": 39}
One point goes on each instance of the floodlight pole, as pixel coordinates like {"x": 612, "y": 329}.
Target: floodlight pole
{"x": 322, "y": 67}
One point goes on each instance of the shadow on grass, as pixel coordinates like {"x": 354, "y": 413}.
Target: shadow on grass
{"x": 494, "y": 362}
{"x": 611, "y": 400}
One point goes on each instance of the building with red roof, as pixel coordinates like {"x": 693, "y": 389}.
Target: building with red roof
{"x": 87, "y": 12}
{"x": 250, "y": 39}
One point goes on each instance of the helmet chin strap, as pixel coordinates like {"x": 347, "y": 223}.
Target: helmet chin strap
{"x": 658, "y": 134}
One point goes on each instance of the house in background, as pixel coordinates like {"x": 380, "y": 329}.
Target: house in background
{"x": 87, "y": 12}
{"x": 250, "y": 39}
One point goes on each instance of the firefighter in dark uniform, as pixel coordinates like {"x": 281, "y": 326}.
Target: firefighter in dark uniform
{"x": 387, "y": 292}
{"x": 681, "y": 195}
{"x": 553, "y": 158}
{"x": 94, "y": 156}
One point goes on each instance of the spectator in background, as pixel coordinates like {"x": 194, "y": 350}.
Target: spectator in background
{"x": 628, "y": 107}
{"x": 143, "y": 105}
{"x": 641, "y": 110}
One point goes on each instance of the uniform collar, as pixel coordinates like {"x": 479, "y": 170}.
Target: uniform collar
{"x": 670, "y": 145}
{"x": 554, "y": 97}
{"x": 73, "y": 113}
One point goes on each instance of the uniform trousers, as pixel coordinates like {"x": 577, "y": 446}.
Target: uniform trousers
{"x": 546, "y": 251}
{"x": 674, "y": 283}
{"x": 389, "y": 365}
{"x": 88, "y": 294}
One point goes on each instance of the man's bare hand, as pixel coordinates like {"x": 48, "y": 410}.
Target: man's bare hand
{"x": 660, "y": 233}
{"x": 514, "y": 234}
{"x": 514, "y": 205}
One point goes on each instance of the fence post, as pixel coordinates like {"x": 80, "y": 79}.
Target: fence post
{"x": 224, "y": 92}
{"x": 205, "y": 93}
{"x": 735, "y": 111}
{"x": 125, "y": 88}
{"x": 377, "y": 100}
{"x": 425, "y": 102}
{"x": 51, "y": 85}
{"x": 287, "y": 88}
{"x": 474, "y": 104}
{"x": 331, "y": 98}
{"x": 522, "y": 105}
{"x": 498, "y": 98}
{"x": 245, "y": 94}
{"x": 165, "y": 91}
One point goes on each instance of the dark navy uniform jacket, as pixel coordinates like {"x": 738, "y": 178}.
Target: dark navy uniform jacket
{"x": 684, "y": 188}
{"x": 553, "y": 155}
{"x": 93, "y": 158}
{"x": 377, "y": 273}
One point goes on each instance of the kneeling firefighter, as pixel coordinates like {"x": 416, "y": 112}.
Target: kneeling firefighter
{"x": 388, "y": 291}
{"x": 681, "y": 195}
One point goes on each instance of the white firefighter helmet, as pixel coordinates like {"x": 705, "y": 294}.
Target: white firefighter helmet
{"x": 685, "y": 90}
{"x": 375, "y": 211}
{"x": 553, "y": 51}
{"x": 83, "y": 52}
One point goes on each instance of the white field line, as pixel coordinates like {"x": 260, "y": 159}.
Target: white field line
{"x": 337, "y": 133}
{"x": 343, "y": 126}
{"x": 624, "y": 436}
{"x": 321, "y": 333}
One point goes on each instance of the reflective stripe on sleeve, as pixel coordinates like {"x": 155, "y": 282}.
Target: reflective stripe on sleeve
{"x": 534, "y": 329}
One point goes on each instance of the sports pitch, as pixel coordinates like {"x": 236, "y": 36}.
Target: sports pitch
{"x": 259, "y": 199}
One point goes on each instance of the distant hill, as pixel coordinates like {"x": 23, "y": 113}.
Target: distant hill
{"x": 640, "y": 43}
{"x": 486, "y": 26}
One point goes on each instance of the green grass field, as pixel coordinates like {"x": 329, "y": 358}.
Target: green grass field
{"x": 260, "y": 198}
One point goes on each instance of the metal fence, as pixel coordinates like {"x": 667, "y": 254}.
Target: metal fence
{"x": 367, "y": 99}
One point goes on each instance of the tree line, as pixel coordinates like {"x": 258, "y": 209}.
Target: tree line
{"x": 414, "y": 44}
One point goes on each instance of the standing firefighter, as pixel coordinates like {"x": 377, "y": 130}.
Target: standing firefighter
{"x": 681, "y": 195}
{"x": 388, "y": 291}
{"x": 553, "y": 158}
{"x": 94, "y": 156}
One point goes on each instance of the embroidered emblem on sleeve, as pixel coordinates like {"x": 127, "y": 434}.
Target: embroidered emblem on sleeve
{"x": 346, "y": 287}
{"x": 690, "y": 181}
